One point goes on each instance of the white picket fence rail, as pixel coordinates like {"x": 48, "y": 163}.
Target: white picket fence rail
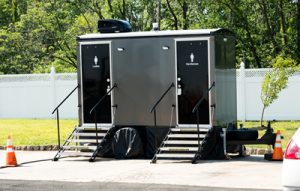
{"x": 36, "y": 95}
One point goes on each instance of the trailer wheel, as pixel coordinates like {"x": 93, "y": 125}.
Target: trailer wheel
{"x": 127, "y": 143}
{"x": 242, "y": 134}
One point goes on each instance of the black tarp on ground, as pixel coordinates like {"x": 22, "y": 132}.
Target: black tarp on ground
{"x": 154, "y": 138}
{"x": 127, "y": 143}
{"x": 145, "y": 142}
{"x": 211, "y": 146}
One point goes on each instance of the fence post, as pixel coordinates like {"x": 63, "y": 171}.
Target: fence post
{"x": 53, "y": 88}
{"x": 243, "y": 91}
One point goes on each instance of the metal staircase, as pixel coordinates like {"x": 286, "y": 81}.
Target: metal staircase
{"x": 82, "y": 142}
{"x": 180, "y": 144}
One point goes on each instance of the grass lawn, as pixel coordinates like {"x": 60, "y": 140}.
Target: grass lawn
{"x": 34, "y": 132}
{"x": 44, "y": 132}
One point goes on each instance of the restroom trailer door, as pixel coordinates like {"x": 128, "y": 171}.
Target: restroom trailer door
{"x": 95, "y": 81}
{"x": 192, "y": 64}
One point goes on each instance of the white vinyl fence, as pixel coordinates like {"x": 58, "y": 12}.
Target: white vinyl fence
{"x": 36, "y": 95}
{"x": 249, "y": 105}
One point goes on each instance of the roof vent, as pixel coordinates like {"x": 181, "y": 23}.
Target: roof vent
{"x": 113, "y": 26}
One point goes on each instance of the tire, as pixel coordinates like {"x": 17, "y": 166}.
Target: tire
{"x": 242, "y": 135}
{"x": 127, "y": 144}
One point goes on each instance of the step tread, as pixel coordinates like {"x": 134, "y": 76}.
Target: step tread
{"x": 80, "y": 147}
{"x": 175, "y": 155}
{"x": 84, "y": 140}
{"x": 184, "y": 142}
{"x": 93, "y": 128}
{"x": 174, "y": 149}
{"x": 76, "y": 153}
{"x": 186, "y": 135}
{"x": 89, "y": 134}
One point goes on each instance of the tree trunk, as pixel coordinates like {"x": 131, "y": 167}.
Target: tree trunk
{"x": 124, "y": 10}
{"x": 185, "y": 17}
{"x": 14, "y": 11}
{"x": 270, "y": 29}
{"x": 283, "y": 24}
{"x": 110, "y": 6}
{"x": 239, "y": 14}
{"x": 262, "y": 116}
{"x": 158, "y": 13}
{"x": 173, "y": 14}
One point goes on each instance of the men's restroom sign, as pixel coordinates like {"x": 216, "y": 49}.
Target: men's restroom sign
{"x": 95, "y": 65}
{"x": 192, "y": 63}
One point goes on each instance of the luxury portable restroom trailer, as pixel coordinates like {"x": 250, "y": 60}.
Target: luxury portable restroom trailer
{"x": 151, "y": 81}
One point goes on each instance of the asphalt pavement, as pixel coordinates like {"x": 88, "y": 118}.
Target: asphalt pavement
{"x": 34, "y": 185}
{"x": 248, "y": 173}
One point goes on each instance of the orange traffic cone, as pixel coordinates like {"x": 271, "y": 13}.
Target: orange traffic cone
{"x": 278, "y": 154}
{"x": 10, "y": 153}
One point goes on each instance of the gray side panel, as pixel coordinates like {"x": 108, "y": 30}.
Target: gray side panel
{"x": 143, "y": 71}
{"x": 225, "y": 76}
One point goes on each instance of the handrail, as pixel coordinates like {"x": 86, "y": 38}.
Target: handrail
{"x": 195, "y": 109}
{"x": 163, "y": 95}
{"x": 202, "y": 98}
{"x": 57, "y": 113}
{"x": 94, "y": 109}
{"x": 102, "y": 98}
{"x": 65, "y": 99}
{"x": 162, "y": 144}
{"x": 159, "y": 100}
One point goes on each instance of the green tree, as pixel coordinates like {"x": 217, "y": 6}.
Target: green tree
{"x": 44, "y": 36}
{"x": 275, "y": 81}
{"x": 37, "y": 34}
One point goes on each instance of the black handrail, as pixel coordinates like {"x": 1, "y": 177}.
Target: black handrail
{"x": 57, "y": 113}
{"x": 94, "y": 109}
{"x": 195, "y": 109}
{"x": 102, "y": 98}
{"x": 159, "y": 100}
{"x": 202, "y": 98}
{"x": 153, "y": 160}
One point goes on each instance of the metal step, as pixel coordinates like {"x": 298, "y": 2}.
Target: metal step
{"x": 74, "y": 147}
{"x": 175, "y": 156}
{"x": 89, "y": 134}
{"x": 181, "y": 142}
{"x": 82, "y": 128}
{"x": 76, "y": 154}
{"x": 179, "y": 149}
{"x": 84, "y": 140}
{"x": 186, "y": 136}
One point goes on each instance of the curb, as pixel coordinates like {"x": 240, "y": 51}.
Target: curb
{"x": 255, "y": 151}
{"x": 34, "y": 148}
{"x": 250, "y": 151}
